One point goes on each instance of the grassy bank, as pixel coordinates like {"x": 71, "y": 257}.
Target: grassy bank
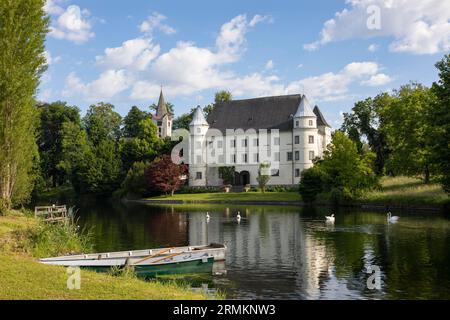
{"x": 249, "y": 196}
{"x": 22, "y": 277}
{"x": 407, "y": 190}
{"x": 398, "y": 190}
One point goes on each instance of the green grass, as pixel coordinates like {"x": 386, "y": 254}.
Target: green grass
{"x": 22, "y": 277}
{"x": 229, "y": 197}
{"x": 398, "y": 190}
{"x": 407, "y": 190}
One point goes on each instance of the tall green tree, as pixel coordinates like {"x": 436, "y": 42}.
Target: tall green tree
{"x": 52, "y": 118}
{"x": 439, "y": 119}
{"x": 131, "y": 122}
{"x": 23, "y": 27}
{"x": 143, "y": 147}
{"x": 405, "y": 126}
{"x": 363, "y": 123}
{"x": 102, "y": 122}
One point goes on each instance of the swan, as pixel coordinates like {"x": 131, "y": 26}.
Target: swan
{"x": 208, "y": 216}
{"x": 392, "y": 219}
{"x": 239, "y": 217}
{"x": 331, "y": 218}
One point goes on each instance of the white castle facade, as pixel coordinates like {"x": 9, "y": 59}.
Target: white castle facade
{"x": 284, "y": 132}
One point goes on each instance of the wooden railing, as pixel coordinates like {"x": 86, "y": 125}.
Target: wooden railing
{"x": 52, "y": 214}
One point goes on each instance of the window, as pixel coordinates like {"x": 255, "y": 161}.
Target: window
{"x": 311, "y": 155}
{"x": 245, "y": 158}
{"x": 233, "y": 158}
{"x": 311, "y": 139}
{"x": 198, "y": 176}
{"x": 159, "y": 123}
{"x": 275, "y": 173}
{"x": 233, "y": 143}
{"x": 277, "y": 156}
{"x": 244, "y": 143}
{"x": 256, "y": 157}
{"x": 297, "y": 173}
{"x": 297, "y": 139}
{"x": 199, "y": 159}
{"x": 289, "y": 156}
{"x": 220, "y": 144}
{"x": 297, "y": 124}
{"x": 297, "y": 155}
{"x": 276, "y": 141}
{"x": 311, "y": 123}
{"x": 221, "y": 159}
{"x": 256, "y": 142}
{"x": 198, "y": 145}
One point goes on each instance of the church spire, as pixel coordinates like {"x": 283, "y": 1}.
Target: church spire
{"x": 162, "y": 106}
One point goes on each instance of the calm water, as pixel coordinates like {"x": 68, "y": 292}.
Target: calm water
{"x": 290, "y": 252}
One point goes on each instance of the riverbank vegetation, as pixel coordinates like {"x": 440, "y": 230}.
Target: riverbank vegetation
{"x": 23, "y": 239}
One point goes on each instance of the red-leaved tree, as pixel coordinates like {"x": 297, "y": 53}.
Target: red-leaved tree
{"x": 165, "y": 176}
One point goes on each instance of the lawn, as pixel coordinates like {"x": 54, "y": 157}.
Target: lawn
{"x": 398, "y": 190}
{"x": 231, "y": 197}
{"x": 407, "y": 190}
{"x": 23, "y": 278}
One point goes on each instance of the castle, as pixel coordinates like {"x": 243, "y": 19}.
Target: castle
{"x": 242, "y": 134}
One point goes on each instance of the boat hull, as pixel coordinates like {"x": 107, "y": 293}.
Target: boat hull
{"x": 215, "y": 250}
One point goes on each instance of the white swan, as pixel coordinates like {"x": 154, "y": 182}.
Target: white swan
{"x": 239, "y": 217}
{"x": 208, "y": 217}
{"x": 331, "y": 218}
{"x": 392, "y": 219}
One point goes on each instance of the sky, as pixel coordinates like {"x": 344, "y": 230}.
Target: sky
{"x": 335, "y": 52}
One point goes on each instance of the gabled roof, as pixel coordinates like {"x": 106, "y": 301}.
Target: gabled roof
{"x": 304, "y": 109}
{"x": 260, "y": 113}
{"x": 198, "y": 118}
{"x": 320, "y": 118}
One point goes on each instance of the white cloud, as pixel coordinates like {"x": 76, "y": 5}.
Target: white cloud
{"x": 109, "y": 84}
{"x": 416, "y": 26}
{"x": 73, "y": 25}
{"x": 155, "y": 21}
{"x": 139, "y": 68}
{"x": 135, "y": 54}
{"x": 258, "y": 19}
{"x": 377, "y": 80}
{"x": 373, "y": 47}
{"x": 270, "y": 65}
{"x": 335, "y": 86}
{"x": 52, "y": 7}
{"x": 50, "y": 59}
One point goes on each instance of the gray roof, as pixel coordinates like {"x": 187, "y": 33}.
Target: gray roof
{"x": 198, "y": 119}
{"x": 320, "y": 118}
{"x": 304, "y": 109}
{"x": 260, "y": 113}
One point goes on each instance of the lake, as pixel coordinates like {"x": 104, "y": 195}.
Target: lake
{"x": 283, "y": 252}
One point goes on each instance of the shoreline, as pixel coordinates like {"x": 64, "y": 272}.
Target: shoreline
{"x": 361, "y": 205}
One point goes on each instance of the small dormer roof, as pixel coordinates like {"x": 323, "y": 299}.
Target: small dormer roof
{"x": 198, "y": 119}
{"x": 304, "y": 109}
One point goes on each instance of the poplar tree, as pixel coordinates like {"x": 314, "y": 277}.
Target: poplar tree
{"x": 23, "y": 27}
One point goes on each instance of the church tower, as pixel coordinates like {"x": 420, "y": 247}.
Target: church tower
{"x": 163, "y": 119}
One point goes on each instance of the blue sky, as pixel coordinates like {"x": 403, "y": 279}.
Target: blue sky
{"x": 336, "y": 52}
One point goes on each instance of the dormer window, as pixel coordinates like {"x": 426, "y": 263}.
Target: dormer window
{"x": 311, "y": 123}
{"x": 297, "y": 124}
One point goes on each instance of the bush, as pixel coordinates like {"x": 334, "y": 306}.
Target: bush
{"x": 311, "y": 184}
{"x": 135, "y": 183}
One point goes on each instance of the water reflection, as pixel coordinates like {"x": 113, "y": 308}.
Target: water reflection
{"x": 290, "y": 252}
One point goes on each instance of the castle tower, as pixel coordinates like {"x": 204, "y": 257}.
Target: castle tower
{"x": 197, "y": 164}
{"x": 163, "y": 118}
{"x": 305, "y": 138}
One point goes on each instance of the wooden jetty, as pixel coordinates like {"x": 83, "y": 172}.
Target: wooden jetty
{"x": 52, "y": 214}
